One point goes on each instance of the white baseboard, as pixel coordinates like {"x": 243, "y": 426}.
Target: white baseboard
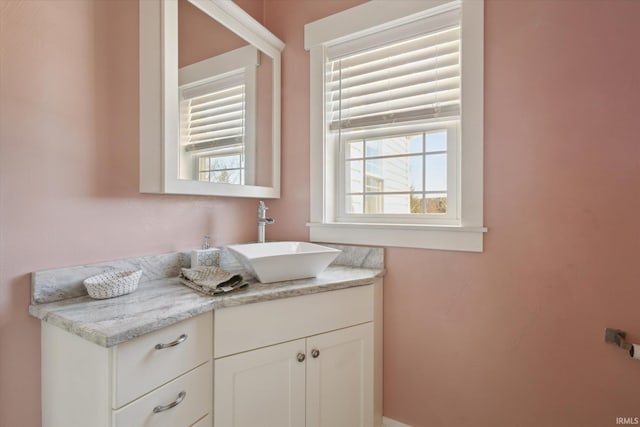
{"x": 388, "y": 422}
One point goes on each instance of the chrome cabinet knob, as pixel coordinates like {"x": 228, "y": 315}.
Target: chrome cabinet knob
{"x": 315, "y": 353}
{"x": 301, "y": 357}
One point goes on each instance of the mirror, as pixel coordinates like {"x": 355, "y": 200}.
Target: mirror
{"x": 209, "y": 100}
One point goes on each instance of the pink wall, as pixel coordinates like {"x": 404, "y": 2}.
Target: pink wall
{"x": 514, "y": 336}
{"x": 510, "y": 337}
{"x": 195, "y": 25}
{"x": 69, "y": 170}
{"x": 200, "y": 37}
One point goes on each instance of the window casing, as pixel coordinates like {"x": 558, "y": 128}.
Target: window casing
{"x": 396, "y": 125}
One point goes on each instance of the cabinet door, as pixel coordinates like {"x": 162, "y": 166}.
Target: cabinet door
{"x": 340, "y": 378}
{"x": 261, "y": 388}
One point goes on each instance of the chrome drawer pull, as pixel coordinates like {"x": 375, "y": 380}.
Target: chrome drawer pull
{"x": 182, "y": 338}
{"x": 173, "y": 404}
{"x": 315, "y": 353}
{"x": 300, "y": 357}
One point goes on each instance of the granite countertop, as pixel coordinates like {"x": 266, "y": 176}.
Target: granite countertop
{"x": 162, "y": 302}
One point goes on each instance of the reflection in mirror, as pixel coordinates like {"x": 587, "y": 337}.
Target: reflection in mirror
{"x": 225, "y": 104}
{"x": 209, "y": 100}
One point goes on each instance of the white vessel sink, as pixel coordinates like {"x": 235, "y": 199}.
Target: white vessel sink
{"x": 279, "y": 261}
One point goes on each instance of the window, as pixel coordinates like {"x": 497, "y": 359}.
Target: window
{"x": 222, "y": 168}
{"x": 217, "y": 96}
{"x": 393, "y": 86}
{"x": 402, "y": 174}
{"x": 212, "y": 128}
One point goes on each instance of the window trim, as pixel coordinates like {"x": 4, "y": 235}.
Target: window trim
{"x": 368, "y": 18}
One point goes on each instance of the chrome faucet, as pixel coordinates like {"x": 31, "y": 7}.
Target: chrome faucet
{"x": 262, "y": 220}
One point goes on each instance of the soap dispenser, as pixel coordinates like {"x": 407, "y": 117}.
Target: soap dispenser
{"x": 206, "y": 256}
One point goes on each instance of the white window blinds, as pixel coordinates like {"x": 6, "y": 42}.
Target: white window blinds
{"x": 212, "y": 114}
{"x": 400, "y": 76}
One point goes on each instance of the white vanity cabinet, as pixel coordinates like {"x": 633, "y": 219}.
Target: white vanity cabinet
{"x": 263, "y": 387}
{"x": 340, "y": 378}
{"x": 312, "y": 360}
{"x": 159, "y": 379}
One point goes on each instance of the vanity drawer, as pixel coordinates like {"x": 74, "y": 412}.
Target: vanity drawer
{"x": 197, "y": 387}
{"x": 140, "y": 367}
{"x": 251, "y": 326}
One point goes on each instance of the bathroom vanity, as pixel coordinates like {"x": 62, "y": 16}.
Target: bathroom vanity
{"x": 298, "y": 353}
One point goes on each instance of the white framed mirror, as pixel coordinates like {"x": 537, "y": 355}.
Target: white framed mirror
{"x": 209, "y": 100}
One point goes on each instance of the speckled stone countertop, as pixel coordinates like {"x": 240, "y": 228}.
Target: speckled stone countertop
{"x": 162, "y": 302}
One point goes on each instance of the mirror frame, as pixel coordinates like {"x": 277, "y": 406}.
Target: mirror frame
{"x": 159, "y": 104}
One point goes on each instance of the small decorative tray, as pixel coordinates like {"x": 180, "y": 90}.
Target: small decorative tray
{"x": 112, "y": 284}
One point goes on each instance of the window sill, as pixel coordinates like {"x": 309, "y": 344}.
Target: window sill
{"x": 451, "y": 238}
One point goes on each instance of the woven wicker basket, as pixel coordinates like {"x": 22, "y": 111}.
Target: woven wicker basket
{"x": 112, "y": 284}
